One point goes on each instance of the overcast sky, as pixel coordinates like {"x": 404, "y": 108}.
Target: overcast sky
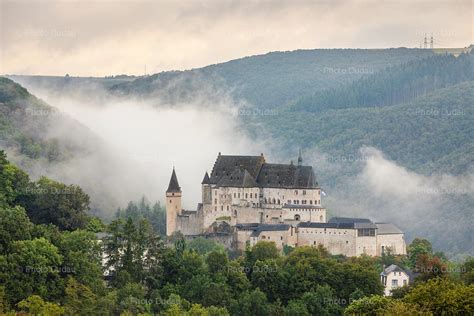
{"x": 105, "y": 37}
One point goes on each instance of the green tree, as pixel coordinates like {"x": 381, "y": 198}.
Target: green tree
{"x": 442, "y": 296}
{"x": 32, "y": 267}
{"x": 296, "y": 308}
{"x": 418, "y": 247}
{"x": 49, "y": 201}
{"x": 203, "y": 245}
{"x": 82, "y": 258}
{"x": 467, "y": 271}
{"x": 79, "y": 300}
{"x": 14, "y": 225}
{"x": 253, "y": 303}
{"x": 35, "y": 305}
{"x": 369, "y": 305}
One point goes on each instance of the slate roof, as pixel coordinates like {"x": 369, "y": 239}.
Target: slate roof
{"x": 240, "y": 177}
{"x": 174, "y": 185}
{"x": 269, "y": 227}
{"x": 387, "y": 229}
{"x": 301, "y": 206}
{"x": 349, "y": 220}
{"x": 230, "y": 171}
{"x": 326, "y": 225}
{"x": 392, "y": 268}
{"x": 286, "y": 176}
{"x": 226, "y": 164}
{"x": 247, "y": 226}
{"x": 341, "y": 223}
{"x": 206, "y": 179}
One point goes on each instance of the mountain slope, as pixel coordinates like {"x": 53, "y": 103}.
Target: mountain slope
{"x": 431, "y": 133}
{"x": 393, "y": 85}
{"x": 31, "y": 128}
{"x": 273, "y": 79}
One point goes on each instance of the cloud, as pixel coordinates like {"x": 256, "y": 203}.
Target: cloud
{"x": 437, "y": 207}
{"x": 140, "y": 142}
{"x": 111, "y": 37}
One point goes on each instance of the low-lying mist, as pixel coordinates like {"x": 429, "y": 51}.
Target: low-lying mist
{"x": 142, "y": 140}
{"x": 437, "y": 207}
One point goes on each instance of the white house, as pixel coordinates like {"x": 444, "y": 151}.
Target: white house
{"x": 393, "y": 277}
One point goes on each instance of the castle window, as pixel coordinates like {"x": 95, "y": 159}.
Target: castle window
{"x": 170, "y": 201}
{"x": 235, "y": 195}
{"x": 227, "y": 207}
{"x": 314, "y": 242}
{"x": 215, "y": 208}
{"x": 235, "y": 212}
{"x": 215, "y": 201}
{"x": 250, "y": 195}
{"x": 246, "y": 195}
{"x": 297, "y": 217}
{"x": 321, "y": 218}
{"x": 311, "y": 202}
{"x": 296, "y": 192}
{"x": 304, "y": 192}
{"x": 239, "y": 195}
{"x": 273, "y": 201}
{"x": 278, "y": 201}
{"x": 222, "y": 207}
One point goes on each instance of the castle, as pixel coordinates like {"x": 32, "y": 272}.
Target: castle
{"x": 245, "y": 200}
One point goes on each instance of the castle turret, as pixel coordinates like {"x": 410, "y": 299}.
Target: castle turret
{"x": 206, "y": 189}
{"x": 173, "y": 204}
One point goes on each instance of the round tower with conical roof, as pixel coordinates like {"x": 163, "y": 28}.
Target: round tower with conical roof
{"x": 173, "y": 204}
{"x": 206, "y": 189}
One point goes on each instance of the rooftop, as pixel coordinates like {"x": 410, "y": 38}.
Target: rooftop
{"x": 173, "y": 185}
{"x": 387, "y": 229}
{"x": 253, "y": 171}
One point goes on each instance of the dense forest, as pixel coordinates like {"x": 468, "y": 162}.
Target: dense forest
{"x": 56, "y": 259}
{"x": 25, "y": 123}
{"x": 394, "y": 85}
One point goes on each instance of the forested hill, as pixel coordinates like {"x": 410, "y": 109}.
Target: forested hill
{"x": 273, "y": 79}
{"x": 430, "y": 134}
{"x": 393, "y": 85}
{"x": 33, "y": 129}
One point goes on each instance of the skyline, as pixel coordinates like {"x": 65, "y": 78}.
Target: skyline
{"x": 102, "y": 37}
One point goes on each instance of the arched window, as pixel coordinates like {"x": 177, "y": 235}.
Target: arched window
{"x": 273, "y": 200}
{"x": 297, "y": 217}
{"x": 321, "y": 218}
{"x": 278, "y": 201}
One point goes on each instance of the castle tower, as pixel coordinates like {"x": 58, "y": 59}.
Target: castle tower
{"x": 206, "y": 189}
{"x": 173, "y": 204}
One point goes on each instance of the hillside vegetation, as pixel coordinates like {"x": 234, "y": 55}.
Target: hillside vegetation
{"x": 273, "y": 79}
{"x": 393, "y": 85}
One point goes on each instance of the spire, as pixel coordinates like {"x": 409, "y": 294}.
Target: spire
{"x": 300, "y": 159}
{"x": 174, "y": 185}
{"x": 206, "y": 179}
